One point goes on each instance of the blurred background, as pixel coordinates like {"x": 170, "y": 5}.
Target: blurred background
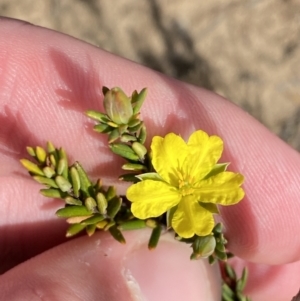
{"x": 245, "y": 50}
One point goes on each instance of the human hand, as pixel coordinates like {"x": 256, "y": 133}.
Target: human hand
{"x": 47, "y": 81}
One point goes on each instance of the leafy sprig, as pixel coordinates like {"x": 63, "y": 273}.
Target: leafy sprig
{"x": 93, "y": 206}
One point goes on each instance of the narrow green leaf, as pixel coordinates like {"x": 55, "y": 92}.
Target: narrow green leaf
{"x": 50, "y": 147}
{"x": 90, "y": 230}
{"x": 150, "y": 176}
{"x": 53, "y": 193}
{"x": 62, "y": 164}
{"x": 90, "y": 204}
{"x": 127, "y": 138}
{"x": 111, "y": 193}
{"x": 113, "y": 135}
{"x": 117, "y": 234}
{"x": 124, "y": 151}
{"x": 140, "y": 100}
{"x": 74, "y": 229}
{"x": 75, "y": 180}
{"x": 230, "y": 271}
{"x": 45, "y": 181}
{"x": 63, "y": 155}
{"x": 132, "y": 225}
{"x": 41, "y": 154}
{"x": 139, "y": 149}
{"x": 32, "y": 167}
{"x": 133, "y": 166}
{"x": 142, "y": 134}
{"x": 71, "y": 211}
{"x": 97, "y": 116}
{"x": 31, "y": 151}
{"x": 101, "y": 202}
{"x": 114, "y": 206}
{"x": 154, "y": 238}
{"x": 72, "y": 201}
{"x": 129, "y": 177}
{"x": 133, "y": 122}
{"x": 93, "y": 219}
{"x": 85, "y": 183}
{"x": 53, "y": 160}
{"x": 49, "y": 172}
{"x": 102, "y": 128}
{"x": 218, "y": 168}
{"x": 63, "y": 184}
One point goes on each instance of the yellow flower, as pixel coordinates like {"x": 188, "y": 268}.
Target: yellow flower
{"x": 188, "y": 183}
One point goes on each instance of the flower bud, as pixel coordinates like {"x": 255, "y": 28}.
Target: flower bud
{"x": 203, "y": 246}
{"x": 118, "y": 106}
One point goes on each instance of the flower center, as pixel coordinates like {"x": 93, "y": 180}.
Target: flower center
{"x": 185, "y": 184}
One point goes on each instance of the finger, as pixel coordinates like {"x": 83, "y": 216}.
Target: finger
{"x": 265, "y": 282}
{"x": 52, "y": 78}
{"x": 99, "y": 268}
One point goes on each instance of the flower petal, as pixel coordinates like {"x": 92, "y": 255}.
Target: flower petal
{"x": 224, "y": 189}
{"x": 168, "y": 155}
{"x": 204, "y": 152}
{"x": 151, "y": 198}
{"x": 190, "y": 218}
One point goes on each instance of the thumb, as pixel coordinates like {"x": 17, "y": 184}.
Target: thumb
{"x": 99, "y": 268}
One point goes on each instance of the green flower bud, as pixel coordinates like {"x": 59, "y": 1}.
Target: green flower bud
{"x": 203, "y": 246}
{"x": 118, "y": 106}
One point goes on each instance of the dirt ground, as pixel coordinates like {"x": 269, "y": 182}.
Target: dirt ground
{"x": 245, "y": 50}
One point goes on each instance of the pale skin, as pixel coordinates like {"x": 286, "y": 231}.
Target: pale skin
{"x": 47, "y": 80}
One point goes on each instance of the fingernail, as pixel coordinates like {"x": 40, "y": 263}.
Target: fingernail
{"x": 167, "y": 273}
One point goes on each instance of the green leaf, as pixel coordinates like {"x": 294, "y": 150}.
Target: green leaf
{"x": 114, "y": 206}
{"x": 63, "y": 184}
{"x": 133, "y": 166}
{"x": 49, "y": 172}
{"x": 31, "y": 151}
{"x": 102, "y": 128}
{"x": 90, "y": 229}
{"x": 32, "y": 167}
{"x": 97, "y": 116}
{"x": 218, "y": 168}
{"x": 90, "y": 204}
{"x": 74, "y": 229}
{"x": 139, "y": 149}
{"x": 71, "y": 211}
{"x": 132, "y": 225}
{"x": 85, "y": 183}
{"x": 113, "y": 135}
{"x": 142, "y": 134}
{"x": 101, "y": 202}
{"x": 63, "y": 155}
{"x": 150, "y": 176}
{"x": 41, "y": 154}
{"x": 117, "y": 234}
{"x": 124, "y": 151}
{"x": 93, "y": 219}
{"x": 75, "y": 180}
{"x": 140, "y": 98}
{"x": 45, "y": 181}
{"x": 129, "y": 177}
{"x": 53, "y": 193}
{"x": 154, "y": 238}
{"x": 72, "y": 201}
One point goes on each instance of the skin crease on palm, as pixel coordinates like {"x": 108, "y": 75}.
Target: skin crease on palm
{"x": 47, "y": 81}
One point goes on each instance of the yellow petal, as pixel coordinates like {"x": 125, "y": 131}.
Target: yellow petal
{"x": 190, "y": 218}
{"x": 224, "y": 189}
{"x": 168, "y": 155}
{"x": 204, "y": 153}
{"x": 151, "y": 198}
